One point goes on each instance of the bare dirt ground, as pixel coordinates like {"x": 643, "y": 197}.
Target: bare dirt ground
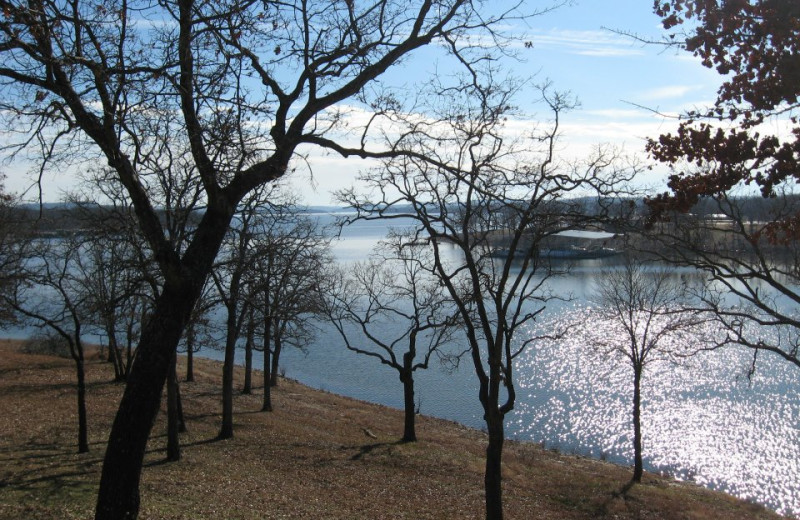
{"x": 317, "y": 456}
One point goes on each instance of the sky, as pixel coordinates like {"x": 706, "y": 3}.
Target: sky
{"x": 621, "y": 85}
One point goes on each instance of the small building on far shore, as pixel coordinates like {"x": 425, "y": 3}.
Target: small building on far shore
{"x": 577, "y": 244}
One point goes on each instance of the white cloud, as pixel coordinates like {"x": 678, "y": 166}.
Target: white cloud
{"x": 616, "y": 113}
{"x": 586, "y": 43}
{"x": 669, "y": 92}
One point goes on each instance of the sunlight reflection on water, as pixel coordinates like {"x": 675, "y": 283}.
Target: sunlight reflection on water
{"x": 702, "y": 419}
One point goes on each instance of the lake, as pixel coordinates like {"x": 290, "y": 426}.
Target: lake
{"x": 703, "y": 419}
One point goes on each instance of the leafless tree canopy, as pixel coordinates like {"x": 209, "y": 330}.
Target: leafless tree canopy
{"x": 644, "y": 310}
{"x": 485, "y": 199}
{"x": 751, "y": 281}
{"x": 225, "y": 91}
{"x": 395, "y": 303}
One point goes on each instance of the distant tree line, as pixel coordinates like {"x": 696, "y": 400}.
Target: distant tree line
{"x": 182, "y": 116}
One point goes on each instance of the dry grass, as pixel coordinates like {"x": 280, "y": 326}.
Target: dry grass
{"x": 310, "y": 458}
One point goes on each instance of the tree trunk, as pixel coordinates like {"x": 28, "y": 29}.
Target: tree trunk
{"x": 248, "y": 354}
{"x": 118, "y": 496}
{"x": 173, "y": 443}
{"x": 637, "y": 424}
{"x": 189, "y": 360}
{"x": 276, "y": 354}
{"x": 267, "y": 405}
{"x": 409, "y": 431}
{"x": 181, "y": 419}
{"x": 492, "y": 478}
{"x": 83, "y": 428}
{"x": 115, "y": 356}
{"x": 129, "y": 348}
{"x": 226, "y": 430}
{"x": 119, "y": 370}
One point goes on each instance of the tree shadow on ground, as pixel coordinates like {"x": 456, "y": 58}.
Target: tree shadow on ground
{"x": 49, "y": 467}
{"x": 607, "y": 506}
{"x": 366, "y": 449}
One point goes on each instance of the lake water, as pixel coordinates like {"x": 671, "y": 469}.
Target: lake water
{"x": 703, "y": 419}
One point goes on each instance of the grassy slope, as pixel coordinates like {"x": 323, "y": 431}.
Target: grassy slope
{"x": 310, "y": 458}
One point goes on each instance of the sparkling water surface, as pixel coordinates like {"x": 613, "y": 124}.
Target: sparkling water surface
{"x": 703, "y": 419}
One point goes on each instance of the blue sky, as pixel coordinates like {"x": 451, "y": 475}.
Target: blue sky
{"x": 572, "y": 46}
{"x": 577, "y": 48}
{"x": 618, "y": 81}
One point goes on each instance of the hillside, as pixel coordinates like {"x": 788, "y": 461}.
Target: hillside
{"x": 317, "y": 456}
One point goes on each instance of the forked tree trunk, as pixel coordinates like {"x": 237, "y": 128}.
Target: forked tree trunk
{"x": 489, "y": 395}
{"x": 114, "y": 356}
{"x": 276, "y": 354}
{"x": 637, "y": 424}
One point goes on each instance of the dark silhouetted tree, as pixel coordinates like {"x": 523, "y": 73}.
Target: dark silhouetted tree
{"x": 253, "y": 84}
{"x": 644, "y": 307}
{"x": 12, "y": 230}
{"x": 396, "y": 303}
{"x": 465, "y": 172}
{"x": 47, "y": 294}
{"x": 290, "y": 252}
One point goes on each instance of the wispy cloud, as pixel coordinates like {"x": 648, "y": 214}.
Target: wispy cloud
{"x": 669, "y": 92}
{"x": 618, "y": 113}
{"x": 586, "y": 43}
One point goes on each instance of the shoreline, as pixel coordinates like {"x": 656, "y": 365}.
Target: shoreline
{"x": 756, "y": 489}
{"x": 311, "y": 457}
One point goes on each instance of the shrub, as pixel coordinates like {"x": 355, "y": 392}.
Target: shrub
{"x": 47, "y": 344}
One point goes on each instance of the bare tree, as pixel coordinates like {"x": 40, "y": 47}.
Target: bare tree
{"x": 466, "y": 170}
{"x": 47, "y": 294}
{"x": 119, "y": 271}
{"x": 84, "y": 82}
{"x": 644, "y": 306}
{"x": 290, "y": 252}
{"x": 399, "y": 307}
{"x": 11, "y": 231}
{"x": 268, "y": 272}
{"x": 294, "y": 300}
{"x": 197, "y": 329}
{"x": 118, "y": 295}
{"x": 230, "y": 278}
{"x": 750, "y": 280}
